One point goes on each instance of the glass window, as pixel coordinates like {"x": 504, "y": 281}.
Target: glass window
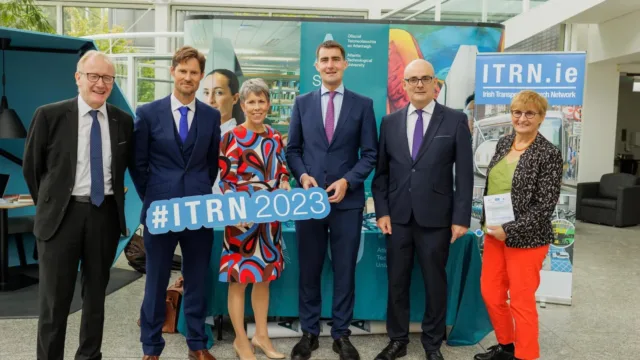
{"x": 81, "y": 21}
{"x": 50, "y": 14}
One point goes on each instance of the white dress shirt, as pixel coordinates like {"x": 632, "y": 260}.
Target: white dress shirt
{"x": 82, "y": 185}
{"x": 337, "y": 104}
{"x": 412, "y": 119}
{"x": 224, "y": 128}
{"x": 175, "y": 108}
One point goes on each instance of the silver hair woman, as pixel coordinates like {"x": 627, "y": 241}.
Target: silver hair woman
{"x": 252, "y": 159}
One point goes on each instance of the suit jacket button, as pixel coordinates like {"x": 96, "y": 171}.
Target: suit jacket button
{"x": 409, "y": 189}
{"x": 413, "y": 170}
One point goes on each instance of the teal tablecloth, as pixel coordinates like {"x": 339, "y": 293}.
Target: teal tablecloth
{"x": 467, "y": 317}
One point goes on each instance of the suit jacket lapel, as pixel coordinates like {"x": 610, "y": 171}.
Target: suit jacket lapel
{"x": 319, "y": 120}
{"x": 72, "y": 124}
{"x": 165, "y": 116}
{"x": 344, "y": 113}
{"x": 432, "y": 129}
{"x": 402, "y": 133}
{"x": 113, "y": 137}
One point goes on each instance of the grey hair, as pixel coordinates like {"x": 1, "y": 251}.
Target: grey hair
{"x": 254, "y": 86}
{"x": 91, "y": 54}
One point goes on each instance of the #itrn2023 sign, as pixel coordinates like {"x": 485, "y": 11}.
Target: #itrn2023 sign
{"x": 209, "y": 211}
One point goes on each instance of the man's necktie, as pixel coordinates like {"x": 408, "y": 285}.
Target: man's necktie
{"x": 418, "y": 134}
{"x": 184, "y": 124}
{"x": 329, "y": 123}
{"x": 95, "y": 154}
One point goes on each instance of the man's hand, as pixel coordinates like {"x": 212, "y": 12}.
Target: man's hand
{"x": 497, "y": 232}
{"x": 339, "y": 189}
{"x": 284, "y": 185}
{"x": 384, "y": 224}
{"x": 307, "y": 181}
{"x": 457, "y": 231}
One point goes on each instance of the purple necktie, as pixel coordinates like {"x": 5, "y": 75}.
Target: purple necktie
{"x": 418, "y": 134}
{"x": 329, "y": 121}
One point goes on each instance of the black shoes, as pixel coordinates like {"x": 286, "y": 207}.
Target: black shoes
{"x": 304, "y": 347}
{"x": 497, "y": 352}
{"x": 434, "y": 355}
{"x": 394, "y": 350}
{"x": 345, "y": 349}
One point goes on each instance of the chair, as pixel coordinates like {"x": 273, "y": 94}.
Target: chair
{"x": 21, "y": 225}
{"x": 614, "y": 201}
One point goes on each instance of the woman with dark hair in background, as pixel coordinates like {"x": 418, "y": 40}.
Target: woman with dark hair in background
{"x": 221, "y": 90}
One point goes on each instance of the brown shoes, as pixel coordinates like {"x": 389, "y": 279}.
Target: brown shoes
{"x": 200, "y": 355}
{"x": 193, "y": 355}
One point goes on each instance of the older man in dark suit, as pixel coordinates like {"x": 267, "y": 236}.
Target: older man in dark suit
{"x": 75, "y": 157}
{"x": 420, "y": 147}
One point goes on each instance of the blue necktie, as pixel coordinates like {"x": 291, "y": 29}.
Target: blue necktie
{"x": 418, "y": 134}
{"x": 95, "y": 153}
{"x": 184, "y": 124}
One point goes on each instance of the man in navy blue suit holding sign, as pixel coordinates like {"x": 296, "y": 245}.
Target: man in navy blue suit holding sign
{"x": 332, "y": 144}
{"x": 417, "y": 206}
{"x": 175, "y": 154}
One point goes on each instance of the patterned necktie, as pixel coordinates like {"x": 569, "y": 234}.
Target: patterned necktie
{"x": 329, "y": 122}
{"x": 184, "y": 124}
{"x": 418, "y": 134}
{"x": 95, "y": 154}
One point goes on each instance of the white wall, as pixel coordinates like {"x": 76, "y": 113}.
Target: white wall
{"x": 628, "y": 115}
{"x": 538, "y": 19}
{"x": 599, "y": 112}
{"x": 615, "y": 39}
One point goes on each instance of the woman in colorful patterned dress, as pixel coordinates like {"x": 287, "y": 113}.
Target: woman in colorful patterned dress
{"x": 252, "y": 159}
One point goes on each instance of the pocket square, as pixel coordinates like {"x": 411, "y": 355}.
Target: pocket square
{"x": 442, "y": 136}
{"x": 120, "y": 143}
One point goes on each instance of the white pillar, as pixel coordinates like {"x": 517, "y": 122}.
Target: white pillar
{"x": 163, "y": 46}
{"x": 599, "y": 121}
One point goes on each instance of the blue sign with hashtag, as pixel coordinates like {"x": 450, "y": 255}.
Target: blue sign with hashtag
{"x": 209, "y": 211}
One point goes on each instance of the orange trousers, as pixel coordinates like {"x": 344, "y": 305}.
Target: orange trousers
{"x": 516, "y": 271}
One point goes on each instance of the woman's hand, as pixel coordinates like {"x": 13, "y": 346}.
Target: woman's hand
{"x": 497, "y": 232}
{"x": 284, "y": 185}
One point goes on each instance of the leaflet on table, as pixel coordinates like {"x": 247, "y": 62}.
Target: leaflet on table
{"x": 498, "y": 209}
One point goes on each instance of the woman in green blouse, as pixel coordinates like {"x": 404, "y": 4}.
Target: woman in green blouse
{"x": 529, "y": 168}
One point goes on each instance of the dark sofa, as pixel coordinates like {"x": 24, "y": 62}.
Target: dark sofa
{"x": 614, "y": 201}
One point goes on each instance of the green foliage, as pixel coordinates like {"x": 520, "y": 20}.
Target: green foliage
{"x": 24, "y": 15}
{"x": 90, "y": 21}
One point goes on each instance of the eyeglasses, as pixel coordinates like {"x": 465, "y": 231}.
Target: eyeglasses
{"x": 107, "y": 79}
{"x": 414, "y": 80}
{"x": 529, "y": 114}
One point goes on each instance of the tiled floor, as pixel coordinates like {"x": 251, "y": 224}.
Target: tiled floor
{"x": 603, "y": 322}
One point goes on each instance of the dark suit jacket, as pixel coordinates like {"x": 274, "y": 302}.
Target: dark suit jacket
{"x": 158, "y": 167}
{"x": 425, "y": 186}
{"x": 351, "y": 153}
{"x": 50, "y": 158}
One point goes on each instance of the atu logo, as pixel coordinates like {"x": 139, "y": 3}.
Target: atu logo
{"x": 360, "y": 249}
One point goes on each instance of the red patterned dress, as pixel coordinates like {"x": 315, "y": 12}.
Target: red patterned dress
{"x": 252, "y": 162}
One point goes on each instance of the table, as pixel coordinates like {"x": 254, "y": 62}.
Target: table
{"x": 18, "y": 280}
{"x": 467, "y": 318}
